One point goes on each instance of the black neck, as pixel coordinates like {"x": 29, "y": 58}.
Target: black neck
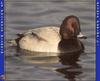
{"x": 69, "y": 45}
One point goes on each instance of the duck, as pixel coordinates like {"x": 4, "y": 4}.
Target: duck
{"x": 53, "y": 39}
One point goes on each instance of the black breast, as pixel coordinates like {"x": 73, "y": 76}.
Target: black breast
{"x": 70, "y": 45}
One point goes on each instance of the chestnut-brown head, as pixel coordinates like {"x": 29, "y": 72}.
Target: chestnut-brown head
{"x": 70, "y": 27}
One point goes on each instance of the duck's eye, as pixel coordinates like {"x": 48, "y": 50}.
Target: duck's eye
{"x": 74, "y": 25}
{"x": 75, "y": 28}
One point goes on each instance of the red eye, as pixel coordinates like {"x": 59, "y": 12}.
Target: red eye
{"x": 74, "y": 24}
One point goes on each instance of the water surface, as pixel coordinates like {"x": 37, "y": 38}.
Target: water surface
{"x": 23, "y": 15}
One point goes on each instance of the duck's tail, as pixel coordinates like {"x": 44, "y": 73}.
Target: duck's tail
{"x": 12, "y": 42}
{"x": 15, "y": 42}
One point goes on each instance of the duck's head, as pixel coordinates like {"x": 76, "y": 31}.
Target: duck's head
{"x": 70, "y": 28}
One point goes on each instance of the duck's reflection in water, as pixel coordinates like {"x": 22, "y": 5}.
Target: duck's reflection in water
{"x": 71, "y": 69}
{"x": 37, "y": 57}
{"x": 74, "y": 70}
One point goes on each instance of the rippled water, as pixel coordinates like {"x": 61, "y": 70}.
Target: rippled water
{"x": 22, "y": 65}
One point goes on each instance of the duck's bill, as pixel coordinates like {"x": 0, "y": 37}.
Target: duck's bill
{"x": 81, "y": 36}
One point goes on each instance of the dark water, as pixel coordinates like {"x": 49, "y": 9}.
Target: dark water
{"x": 23, "y": 15}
